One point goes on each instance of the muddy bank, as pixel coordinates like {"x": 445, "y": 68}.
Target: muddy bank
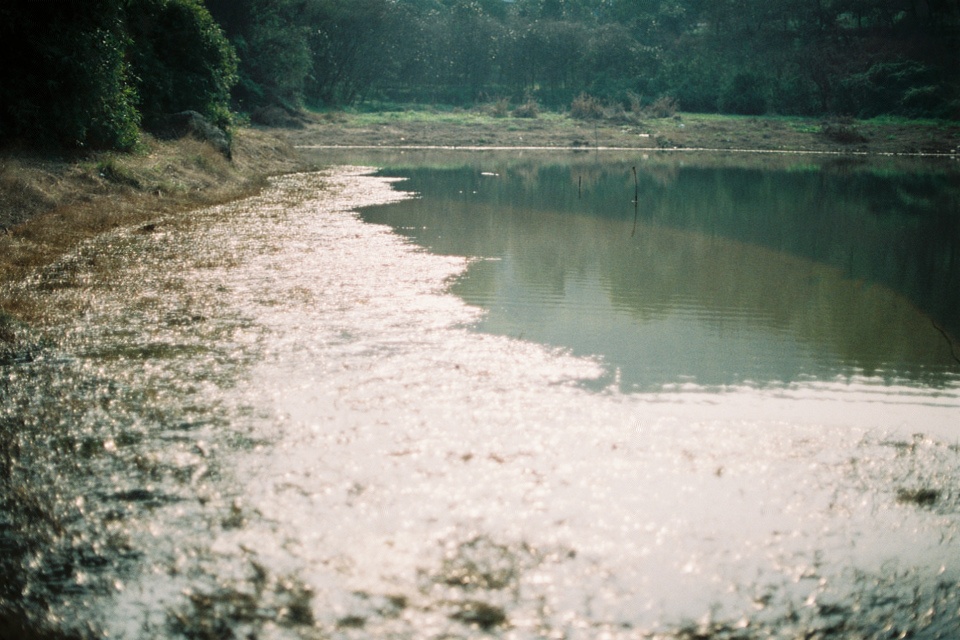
{"x": 49, "y": 207}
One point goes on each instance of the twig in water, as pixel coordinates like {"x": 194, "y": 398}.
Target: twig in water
{"x": 636, "y": 201}
{"x": 579, "y": 187}
{"x": 946, "y": 336}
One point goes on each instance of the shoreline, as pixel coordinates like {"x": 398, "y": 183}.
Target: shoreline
{"x": 701, "y": 449}
{"x": 50, "y": 204}
{"x": 478, "y": 129}
{"x": 505, "y": 459}
{"x": 822, "y": 152}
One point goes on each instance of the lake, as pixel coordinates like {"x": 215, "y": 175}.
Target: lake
{"x": 459, "y": 394}
{"x": 751, "y": 270}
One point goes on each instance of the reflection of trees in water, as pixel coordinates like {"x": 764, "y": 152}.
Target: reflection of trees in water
{"x": 666, "y": 272}
{"x": 842, "y": 255}
{"x": 723, "y": 281}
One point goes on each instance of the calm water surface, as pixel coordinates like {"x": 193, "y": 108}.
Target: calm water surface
{"x": 499, "y": 403}
{"x": 726, "y": 273}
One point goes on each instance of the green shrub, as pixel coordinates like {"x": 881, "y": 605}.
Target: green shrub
{"x": 181, "y": 60}
{"x": 795, "y": 94}
{"x": 745, "y": 93}
{"x": 586, "y": 107}
{"x": 901, "y": 87}
{"x": 66, "y": 82}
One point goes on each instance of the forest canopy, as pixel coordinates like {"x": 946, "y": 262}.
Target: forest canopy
{"x": 89, "y": 73}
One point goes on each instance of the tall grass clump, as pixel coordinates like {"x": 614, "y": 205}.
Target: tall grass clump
{"x": 500, "y": 108}
{"x": 586, "y": 107}
{"x": 529, "y": 109}
{"x": 663, "y": 107}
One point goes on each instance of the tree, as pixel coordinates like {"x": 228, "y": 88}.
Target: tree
{"x": 181, "y": 60}
{"x": 66, "y": 82}
{"x": 271, "y": 41}
{"x": 351, "y": 45}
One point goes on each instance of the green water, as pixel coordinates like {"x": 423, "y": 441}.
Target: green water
{"x": 754, "y": 270}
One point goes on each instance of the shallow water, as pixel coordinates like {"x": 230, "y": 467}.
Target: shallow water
{"x": 275, "y": 419}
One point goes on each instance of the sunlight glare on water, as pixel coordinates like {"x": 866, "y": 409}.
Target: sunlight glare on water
{"x": 380, "y": 469}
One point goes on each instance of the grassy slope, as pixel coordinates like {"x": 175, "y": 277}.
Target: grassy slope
{"x": 48, "y": 205}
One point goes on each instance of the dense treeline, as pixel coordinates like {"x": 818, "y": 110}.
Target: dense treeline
{"x": 856, "y": 57}
{"x": 88, "y": 73}
{"x": 806, "y": 57}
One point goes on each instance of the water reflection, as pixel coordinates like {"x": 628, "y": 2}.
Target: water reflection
{"x": 726, "y": 273}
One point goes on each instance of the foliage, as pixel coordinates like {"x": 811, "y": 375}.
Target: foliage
{"x": 84, "y": 74}
{"x": 586, "y": 107}
{"x": 66, "y": 81}
{"x": 744, "y": 94}
{"x": 270, "y": 37}
{"x": 750, "y": 57}
{"x": 181, "y": 60}
{"x": 900, "y": 87}
{"x": 349, "y": 48}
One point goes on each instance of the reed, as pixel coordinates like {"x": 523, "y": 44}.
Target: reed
{"x": 949, "y": 339}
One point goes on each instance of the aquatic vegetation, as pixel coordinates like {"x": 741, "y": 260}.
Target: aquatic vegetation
{"x": 480, "y": 564}
{"x": 479, "y": 613}
{"x": 232, "y": 611}
{"x": 922, "y": 497}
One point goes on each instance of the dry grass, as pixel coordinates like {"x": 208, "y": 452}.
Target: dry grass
{"x": 49, "y": 205}
{"x": 586, "y": 107}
